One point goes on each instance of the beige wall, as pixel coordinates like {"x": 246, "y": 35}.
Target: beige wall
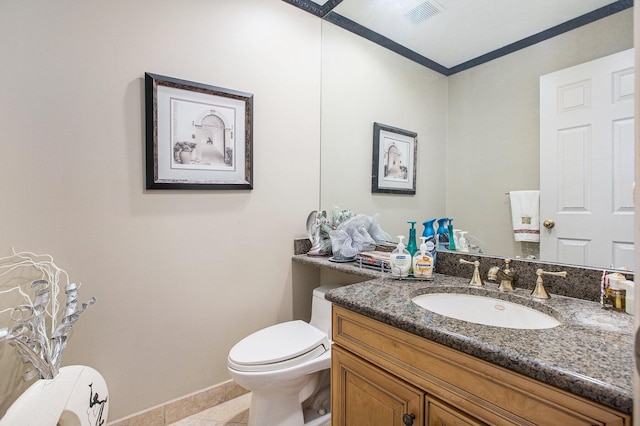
{"x": 180, "y": 276}
{"x": 493, "y": 133}
{"x": 363, "y": 83}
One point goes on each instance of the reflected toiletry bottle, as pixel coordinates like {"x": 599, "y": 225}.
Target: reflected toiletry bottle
{"x": 423, "y": 262}
{"x": 628, "y": 286}
{"x": 443, "y": 233}
{"x": 462, "y": 242}
{"x": 452, "y": 240}
{"x": 430, "y": 235}
{"x": 412, "y": 246}
{"x": 400, "y": 260}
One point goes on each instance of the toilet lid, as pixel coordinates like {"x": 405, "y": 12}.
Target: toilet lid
{"x": 279, "y": 346}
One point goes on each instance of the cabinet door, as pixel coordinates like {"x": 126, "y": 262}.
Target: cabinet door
{"x": 441, "y": 414}
{"x": 365, "y": 395}
{"x": 486, "y": 391}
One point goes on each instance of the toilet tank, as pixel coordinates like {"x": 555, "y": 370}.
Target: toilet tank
{"x": 321, "y": 309}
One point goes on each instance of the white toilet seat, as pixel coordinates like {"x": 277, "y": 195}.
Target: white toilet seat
{"x": 278, "y": 347}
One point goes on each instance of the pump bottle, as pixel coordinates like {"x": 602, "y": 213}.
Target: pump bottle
{"x": 412, "y": 246}
{"x": 423, "y": 262}
{"x": 463, "y": 246}
{"x": 452, "y": 240}
{"x": 400, "y": 260}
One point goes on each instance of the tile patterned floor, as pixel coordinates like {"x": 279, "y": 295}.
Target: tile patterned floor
{"x": 234, "y": 412}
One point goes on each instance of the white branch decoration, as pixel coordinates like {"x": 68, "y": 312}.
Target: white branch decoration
{"x": 39, "y": 333}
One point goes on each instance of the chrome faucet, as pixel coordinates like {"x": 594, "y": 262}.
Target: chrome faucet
{"x": 540, "y": 292}
{"x": 475, "y": 278}
{"x": 507, "y": 276}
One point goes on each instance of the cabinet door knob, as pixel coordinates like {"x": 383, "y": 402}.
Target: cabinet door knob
{"x": 408, "y": 419}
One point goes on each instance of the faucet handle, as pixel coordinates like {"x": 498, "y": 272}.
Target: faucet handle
{"x": 540, "y": 272}
{"x": 539, "y": 291}
{"x": 475, "y": 279}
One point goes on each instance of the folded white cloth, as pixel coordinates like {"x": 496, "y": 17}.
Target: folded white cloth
{"x": 525, "y": 215}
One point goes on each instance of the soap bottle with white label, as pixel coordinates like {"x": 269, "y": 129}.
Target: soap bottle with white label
{"x": 423, "y": 262}
{"x": 400, "y": 260}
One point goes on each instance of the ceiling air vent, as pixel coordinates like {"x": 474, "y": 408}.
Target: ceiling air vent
{"x": 424, "y": 11}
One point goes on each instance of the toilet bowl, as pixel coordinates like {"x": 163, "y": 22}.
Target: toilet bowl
{"x": 286, "y": 368}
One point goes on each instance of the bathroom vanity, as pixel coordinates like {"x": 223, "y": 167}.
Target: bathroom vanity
{"x": 396, "y": 363}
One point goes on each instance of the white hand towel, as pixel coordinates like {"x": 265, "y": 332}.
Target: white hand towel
{"x": 525, "y": 215}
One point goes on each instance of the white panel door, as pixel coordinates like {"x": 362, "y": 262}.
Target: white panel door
{"x": 586, "y": 162}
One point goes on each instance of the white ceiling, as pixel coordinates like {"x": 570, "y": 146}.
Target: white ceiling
{"x": 451, "y": 32}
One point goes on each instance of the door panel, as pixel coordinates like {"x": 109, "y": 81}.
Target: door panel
{"x": 587, "y": 162}
{"x": 365, "y": 395}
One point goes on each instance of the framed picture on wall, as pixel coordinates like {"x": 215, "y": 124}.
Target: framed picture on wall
{"x": 394, "y": 160}
{"x": 197, "y": 136}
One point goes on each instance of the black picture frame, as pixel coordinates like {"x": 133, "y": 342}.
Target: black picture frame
{"x": 198, "y": 136}
{"x": 395, "y": 153}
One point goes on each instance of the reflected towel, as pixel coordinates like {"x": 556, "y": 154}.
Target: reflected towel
{"x": 525, "y": 215}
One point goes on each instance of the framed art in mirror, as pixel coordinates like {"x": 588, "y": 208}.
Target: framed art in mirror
{"x": 394, "y": 160}
{"x": 197, "y": 136}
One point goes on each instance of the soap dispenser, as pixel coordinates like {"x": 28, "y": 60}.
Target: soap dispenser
{"x": 443, "y": 233}
{"x": 400, "y": 260}
{"x": 423, "y": 262}
{"x": 412, "y": 246}
{"x": 452, "y": 240}
{"x": 430, "y": 235}
{"x": 463, "y": 246}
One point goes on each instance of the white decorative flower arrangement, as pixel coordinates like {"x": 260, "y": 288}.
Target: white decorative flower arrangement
{"x": 38, "y": 329}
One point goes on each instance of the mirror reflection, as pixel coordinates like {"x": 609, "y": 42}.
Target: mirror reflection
{"x": 478, "y": 132}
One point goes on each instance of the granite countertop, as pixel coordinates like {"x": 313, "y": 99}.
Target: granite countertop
{"x": 589, "y": 354}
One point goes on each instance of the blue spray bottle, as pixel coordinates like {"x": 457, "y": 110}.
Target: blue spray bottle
{"x": 443, "y": 233}
{"x": 412, "y": 245}
{"x": 430, "y": 238}
{"x": 452, "y": 240}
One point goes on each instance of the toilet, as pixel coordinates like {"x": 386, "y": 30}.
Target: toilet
{"x": 287, "y": 369}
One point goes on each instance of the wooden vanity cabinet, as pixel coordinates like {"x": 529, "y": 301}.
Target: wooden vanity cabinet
{"x": 439, "y": 414}
{"x": 372, "y": 396}
{"x": 384, "y": 376}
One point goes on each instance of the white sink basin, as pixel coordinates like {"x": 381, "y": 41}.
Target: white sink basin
{"x": 485, "y": 310}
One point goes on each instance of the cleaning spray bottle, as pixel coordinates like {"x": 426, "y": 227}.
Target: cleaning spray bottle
{"x": 412, "y": 246}
{"x": 430, "y": 235}
{"x": 452, "y": 240}
{"x": 423, "y": 262}
{"x": 443, "y": 233}
{"x": 400, "y": 260}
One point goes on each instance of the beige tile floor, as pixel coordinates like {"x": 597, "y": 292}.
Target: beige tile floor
{"x": 234, "y": 412}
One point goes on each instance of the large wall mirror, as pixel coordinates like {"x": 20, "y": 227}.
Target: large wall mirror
{"x": 478, "y": 129}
